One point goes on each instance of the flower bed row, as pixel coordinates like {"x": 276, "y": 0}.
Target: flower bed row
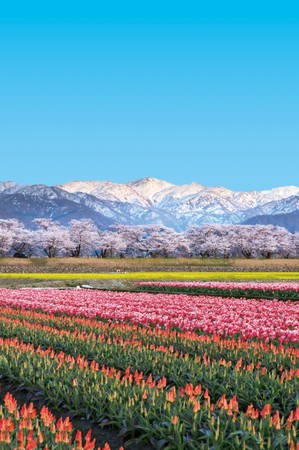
{"x": 280, "y": 291}
{"x": 183, "y": 417}
{"x": 220, "y": 366}
{"x": 267, "y": 320}
{"x": 175, "y": 342}
{"x": 23, "y": 428}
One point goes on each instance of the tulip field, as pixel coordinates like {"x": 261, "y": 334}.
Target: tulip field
{"x": 161, "y": 370}
{"x": 277, "y": 290}
{"x": 24, "y": 428}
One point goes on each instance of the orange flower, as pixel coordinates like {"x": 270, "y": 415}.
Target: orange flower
{"x": 238, "y": 365}
{"x": 234, "y": 404}
{"x": 294, "y": 445}
{"x": 46, "y": 416}
{"x": 276, "y": 420}
{"x": 6, "y": 424}
{"x": 10, "y": 403}
{"x": 197, "y": 389}
{"x": 106, "y": 447}
{"x": 78, "y": 438}
{"x": 290, "y": 421}
{"x": 175, "y": 420}
{"x": 221, "y": 401}
{"x": 206, "y": 394}
{"x": 171, "y": 395}
{"x": 162, "y": 383}
{"x": 28, "y": 412}
{"x": 144, "y": 395}
{"x": 189, "y": 389}
{"x": 94, "y": 366}
{"x": 251, "y": 412}
{"x": 40, "y": 437}
{"x": 196, "y": 407}
{"x": 20, "y": 437}
{"x": 266, "y": 411}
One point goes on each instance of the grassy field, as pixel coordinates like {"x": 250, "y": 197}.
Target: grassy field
{"x": 234, "y": 276}
{"x": 144, "y": 264}
{"x": 128, "y": 280}
{"x": 121, "y": 273}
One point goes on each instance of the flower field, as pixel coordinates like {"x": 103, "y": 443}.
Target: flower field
{"x": 172, "y": 371}
{"x": 173, "y": 275}
{"x": 24, "y": 428}
{"x": 277, "y": 290}
{"x": 266, "y": 319}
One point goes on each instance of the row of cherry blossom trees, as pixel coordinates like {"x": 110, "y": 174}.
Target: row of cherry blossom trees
{"x": 83, "y": 238}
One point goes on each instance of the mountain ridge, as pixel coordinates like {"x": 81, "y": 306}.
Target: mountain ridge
{"x": 145, "y": 201}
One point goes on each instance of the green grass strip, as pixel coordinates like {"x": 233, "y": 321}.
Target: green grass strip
{"x": 232, "y": 276}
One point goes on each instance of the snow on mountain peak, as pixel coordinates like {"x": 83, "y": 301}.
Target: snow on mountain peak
{"x": 149, "y": 191}
{"x": 149, "y": 187}
{"x": 107, "y": 190}
{"x": 280, "y": 192}
{"x": 80, "y": 186}
{"x": 4, "y": 185}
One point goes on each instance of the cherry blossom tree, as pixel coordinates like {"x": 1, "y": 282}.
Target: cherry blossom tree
{"x": 204, "y": 240}
{"x": 240, "y": 240}
{"x": 6, "y": 237}
{"x": 111, "y": 243}
{"x": 53, "y": 238}
{"x": 23, "y": 240}
{"x": 136, "y": 241}
{"x": 285, "y": 243}
{"x": 245, "y": 241}
{"x": 84, "y": 237}
{"x": 164, "y": 242}
{"x": 265, "y": 240}
{"x": 132, "y": 239}
{"x": 16, "y": 240}
{"x": 296, "y": 243}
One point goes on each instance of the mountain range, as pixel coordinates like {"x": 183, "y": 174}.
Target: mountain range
{"x": 149, "y": 201}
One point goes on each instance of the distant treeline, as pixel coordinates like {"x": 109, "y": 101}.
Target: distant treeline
{"x": 85, "y": 238}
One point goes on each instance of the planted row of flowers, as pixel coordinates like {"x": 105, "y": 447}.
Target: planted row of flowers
{"x": 23, "y": 428}
{"x": 174, "y": 342}
{"x": 267, "y": 320}
{"x": 176, "y": 388}
{"x": 182, "y": 417}
{"x": 252, "y": 375}
{"x": 280, "y": 291}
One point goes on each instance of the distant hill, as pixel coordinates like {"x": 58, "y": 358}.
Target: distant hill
{"x": 26, "y": 207}
{"x": 290, "y": 220}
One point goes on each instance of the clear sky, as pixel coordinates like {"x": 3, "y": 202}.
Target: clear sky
{"x": 204, "y": 91}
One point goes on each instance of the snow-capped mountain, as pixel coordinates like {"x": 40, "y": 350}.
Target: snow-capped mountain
{"x": 144, "y": 201}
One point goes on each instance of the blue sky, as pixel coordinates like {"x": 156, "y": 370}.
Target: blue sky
{"x": 184, "y": 91}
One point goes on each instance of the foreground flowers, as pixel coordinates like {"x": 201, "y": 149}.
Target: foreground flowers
{"x": 149, "y": 368}
{"x": 153, "y": 408}
{"x": 24, "y": 429}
